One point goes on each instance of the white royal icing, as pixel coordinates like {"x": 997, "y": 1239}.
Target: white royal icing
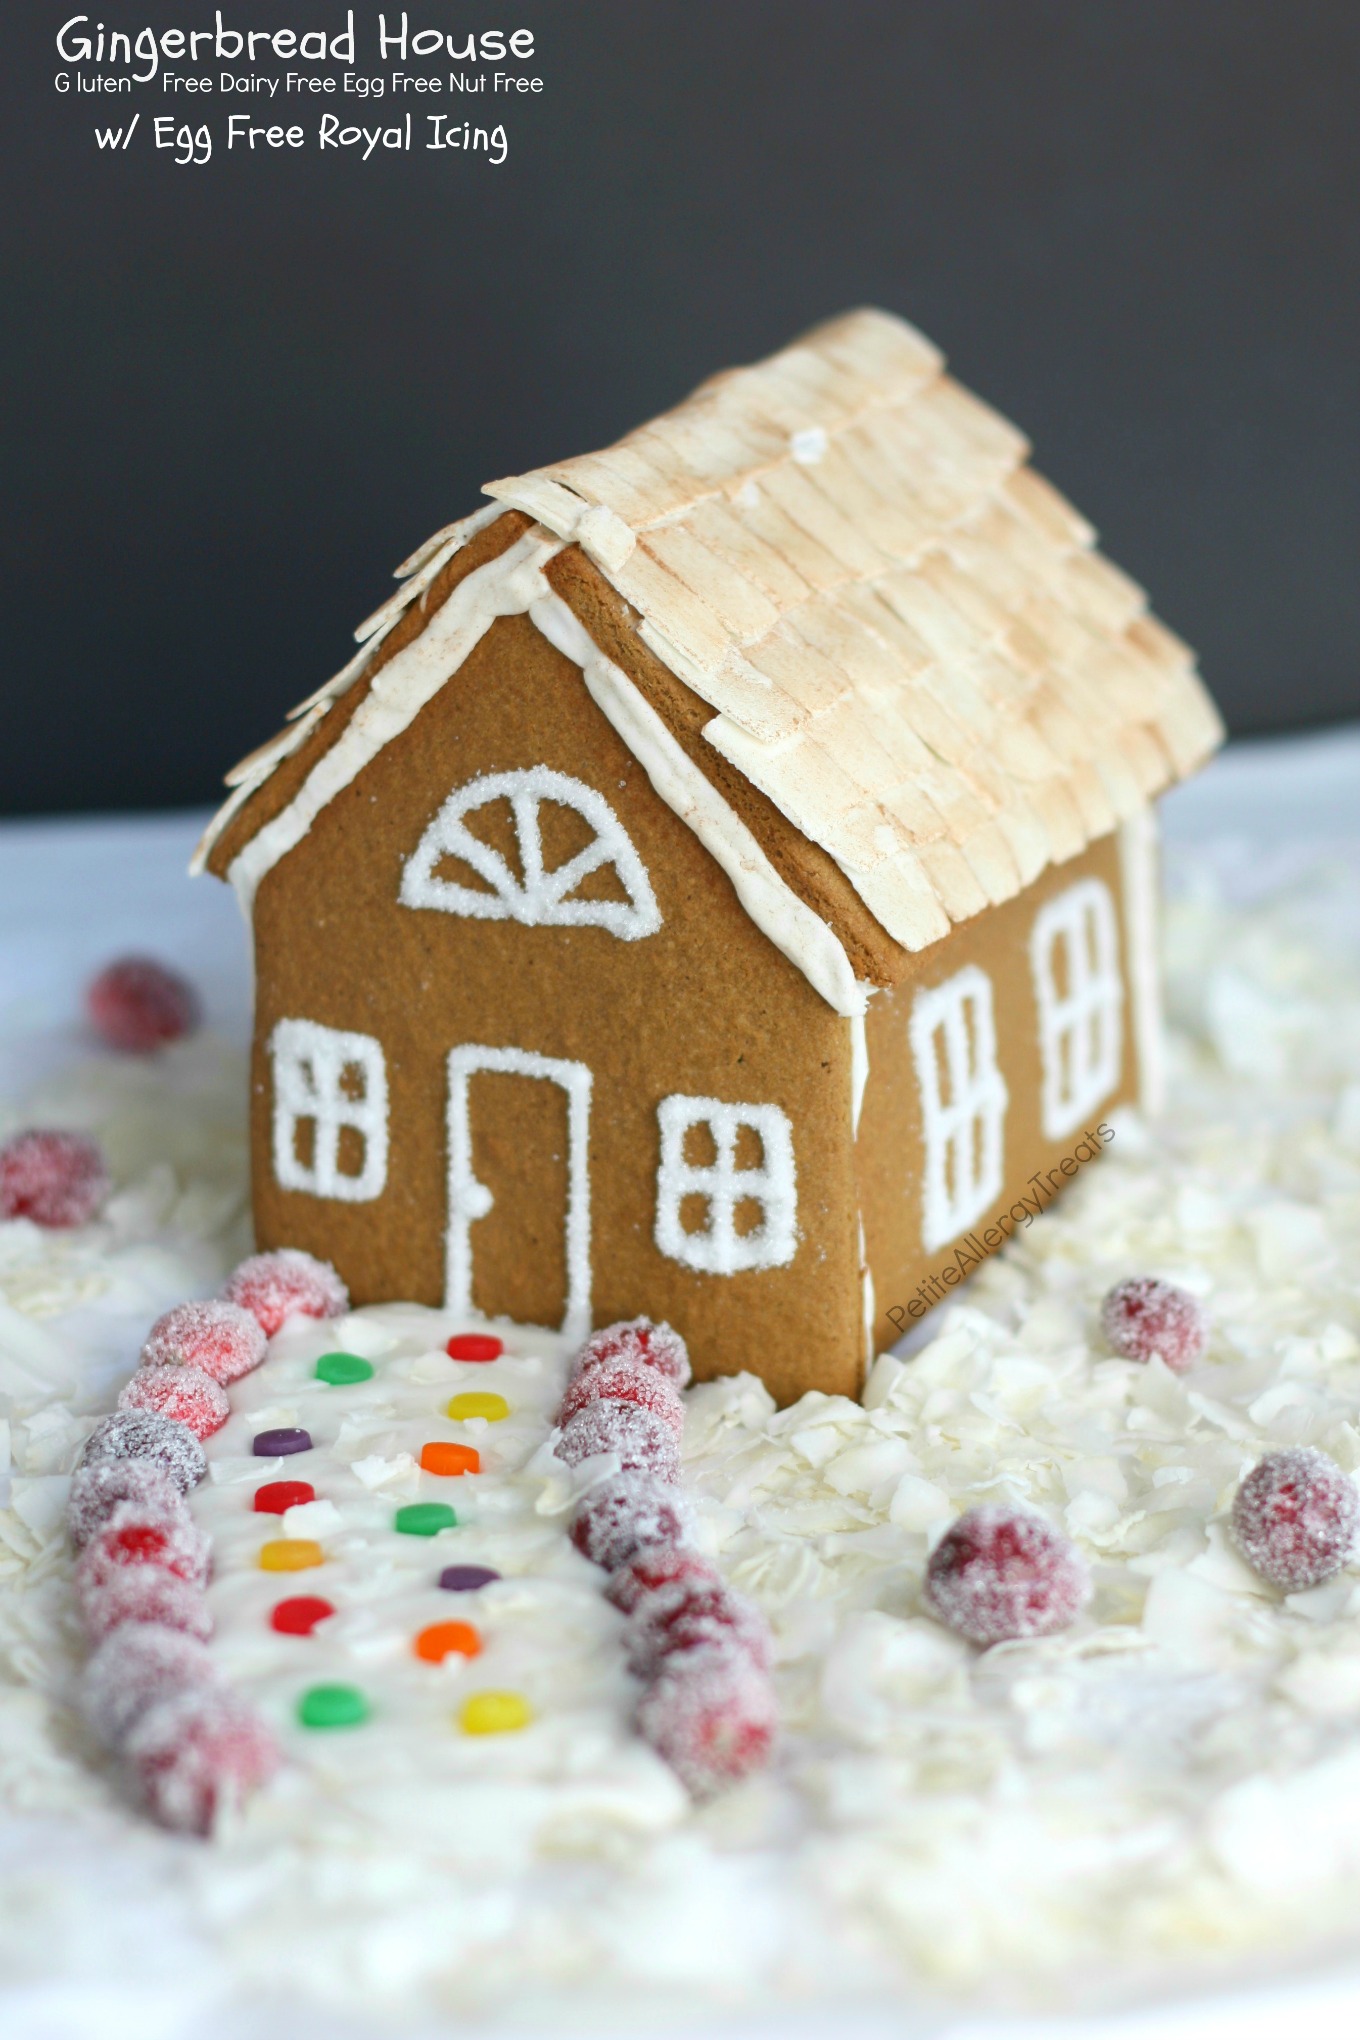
{"x": 717, "y": 1248}
{"x": 541, "y": 898}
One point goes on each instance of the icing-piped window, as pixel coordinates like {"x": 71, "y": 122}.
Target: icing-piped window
{"x": 1074, "y": 955}
{"x": 746, "y": 1206}
{"x": 963, "y": 1103}
{"x": 330, "y": 1111}
{"x": 537, "y": 895}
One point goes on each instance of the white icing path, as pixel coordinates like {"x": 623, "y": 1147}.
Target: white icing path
{"x": 1177, "y": 1779}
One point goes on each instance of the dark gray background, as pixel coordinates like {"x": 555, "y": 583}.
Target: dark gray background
{"x": 238, "y": 395}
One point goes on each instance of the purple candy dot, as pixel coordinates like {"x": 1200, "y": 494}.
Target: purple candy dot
{"x": 277, "y": 1444}
{"x": 461, "y": 1579}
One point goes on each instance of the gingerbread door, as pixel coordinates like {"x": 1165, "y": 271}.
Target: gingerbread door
{"x": 517, "y": 1242}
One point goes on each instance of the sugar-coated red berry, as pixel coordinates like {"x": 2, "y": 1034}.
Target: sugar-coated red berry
{"x": 139, "y": 1664}
{"x": 625, "y": 1514}
{"x": 96, "y": 1491}
{"x": 133, "y": 1536}
{"x": 1001, "y": 1572}
{"x": 198, "y": 1755}
{"x": 185, "y": 1394}
{"x": 643, "y": 1442}
{"x": 54, "y": 1178}
{"x": 640, "y": 1341}
{"x": 1144, "y": 1316}
{"x": 143, "y": 1434}
{"x": 138, "y": 1005}
{"x": 690, "y": 1614}
{"x": 713, "y": 1715}
{"x": 219, "y": 1338}
{"x": 287, "y": 1283}
{"x": 144, "y": 1593}
{"x": 655, "y": 1566}
{"x": 624, "y": 1381}
{"x": 1294, "y": 1518}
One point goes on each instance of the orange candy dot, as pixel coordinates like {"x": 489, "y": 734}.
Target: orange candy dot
{"x": 443, "y": 1639}
{"x": 437, "y": 1457}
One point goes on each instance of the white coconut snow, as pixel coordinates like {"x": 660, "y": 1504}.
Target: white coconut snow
{"x": 1171, "y": 1787}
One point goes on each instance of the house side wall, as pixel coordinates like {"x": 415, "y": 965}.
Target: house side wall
{"x": 704, "y": 1007}
{"x": 907, "y": 1276}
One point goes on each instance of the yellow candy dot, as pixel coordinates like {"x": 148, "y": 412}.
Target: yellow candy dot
{"x": 479, "y": 1402}
{"x": 494, "y": 1713}
{"x": 290, "y": 1554}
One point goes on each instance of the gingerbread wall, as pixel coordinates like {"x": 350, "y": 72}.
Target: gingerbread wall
{"x": 704, "y": 1006}
{"x": 908, "y": 1277}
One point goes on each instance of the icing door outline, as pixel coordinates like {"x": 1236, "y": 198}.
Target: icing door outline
{"x": 540, "y": 898}
{"x": 469, "y": 1199}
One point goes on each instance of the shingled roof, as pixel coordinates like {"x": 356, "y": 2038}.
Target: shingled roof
{"x": 908, "y": 640}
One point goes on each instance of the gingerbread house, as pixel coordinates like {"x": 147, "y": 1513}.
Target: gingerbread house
{"x": 722, "y": 885}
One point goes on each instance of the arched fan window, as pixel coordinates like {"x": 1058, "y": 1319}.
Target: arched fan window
{"x": 540, "y": 894}
{"x": 1074, "y": 954}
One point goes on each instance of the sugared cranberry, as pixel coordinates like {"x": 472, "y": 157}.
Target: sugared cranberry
{"x": 619, "y": 1381}
{"x": 186, "y": 1395}
{"x": 198, "y": 1755}
{"x": 1001, "y": 1573}
{"x": 712, "y": 1714}
{"x": 642, "y": 1441}
{"x": 133, "y": 1536}
{"x": 640, "y": 1341}
{"x": 219, "y": 1338}
{"x": 288, "y": 1283}
{"x": 623, "y": 1515}
{"x": 139, "y": 1664}
{"x": 138, "y": 1005}
{"x": 144, "y": 1593}
{"x": 1144, "y": 1316}
{"x": 1294, "y": 1518}
{"x": 659, "y": 1565}
{"x": 688, "y": 1614}
{"x": 54, "y": 1178}
{"x": 143, "y": 1434}
{"x": 96, "y": 1491}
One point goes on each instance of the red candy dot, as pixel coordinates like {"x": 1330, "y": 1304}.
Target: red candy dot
{"x": 299, "y": 1615}
{"x": 184, "y": 1394}
{"x": 55, "y": 1179}
{"x": 1001, "y": 1573}
{"x": 1294, "y": 1518}
{"x": 220, "y": 1339}
{"x": 1144, "y": 1316}
{"x": 624, "y": 1381}
{"x": 276, "y": 1496}
{"x": 138, "y": 1005}
{"x": 475, "y": 1346}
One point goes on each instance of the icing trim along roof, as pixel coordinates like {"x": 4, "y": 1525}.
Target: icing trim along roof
{"x": 907, "y": 639}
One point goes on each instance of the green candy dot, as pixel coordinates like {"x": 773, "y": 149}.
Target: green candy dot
{"x": 425, "y": 1519}
{"x": 332, "y": 1707}
{"x": 342, "y": 1370}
